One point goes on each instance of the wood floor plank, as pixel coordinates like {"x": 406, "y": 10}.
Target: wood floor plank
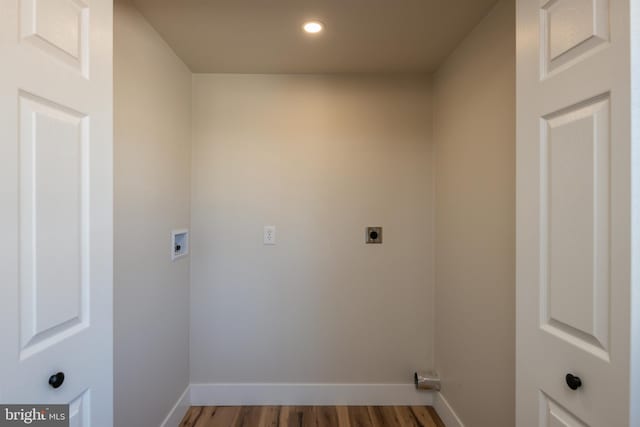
{"x": 343, "y": 416}
{"x": 205, "y": 416}
{"x": 302, "y": 416}
{"x": 405, "y": 417}
{"x": 285, "y": 412}
{"x": 270, "y": 416}
{"x": 224, "y": 416}
{"x": 311, "y": 416}
{"x": 359, "y": 416}
{"x": 376, "y": 416}
{"x": 383, "y": 416}
{"x": 326, "y": 416}
{"x": 249, "y": 416}
{"x": 423, "y": 416}
{"x": 295, "y": 418}
{"x": 435, "y": 417}
{"x": 192, "y": 416}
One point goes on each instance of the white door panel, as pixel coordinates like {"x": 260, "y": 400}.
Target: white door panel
{"x": 574, "y": 235}
{"x": 58, "y": 27}
{"x": 56, "y": 205}
{"x": 554, "y": 415}
{"x": 54, "y": 208}
{"x": 571, "y": 30}
{"x": 80, "y": 410}
{"x": 573, "y": 212}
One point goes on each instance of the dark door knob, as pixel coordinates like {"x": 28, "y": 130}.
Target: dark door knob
{"x": 573, "y": 382}
{"x": 56, "y": 380}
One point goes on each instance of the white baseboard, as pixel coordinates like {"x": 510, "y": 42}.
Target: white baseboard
{"x": 178, "y": 411}
{"x": 309, "y": 394}
{"x": 446, "y": 412}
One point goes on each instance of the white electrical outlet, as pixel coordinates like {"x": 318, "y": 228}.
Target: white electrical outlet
{"x": 269, "y": 234}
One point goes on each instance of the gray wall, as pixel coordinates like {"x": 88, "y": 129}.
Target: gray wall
{"x": 152, "y": 187}
{"x": 319, "y": 157}
{"x": 475, "y": 222}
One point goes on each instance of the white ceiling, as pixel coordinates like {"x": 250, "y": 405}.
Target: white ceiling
{"x": 265, "y": 36}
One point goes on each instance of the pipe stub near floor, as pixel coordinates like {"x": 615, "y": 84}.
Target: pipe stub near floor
{"x": 427, "y": 381}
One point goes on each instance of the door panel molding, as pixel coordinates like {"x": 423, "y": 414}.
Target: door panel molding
{"x": 570, "y": 30}
{"x": 54, "y": 223}
{"x": 60, "y": 28}
{"x": 575, "y": 205}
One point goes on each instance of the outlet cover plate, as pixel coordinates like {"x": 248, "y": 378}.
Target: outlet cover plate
{"x": 269, "y": 234}
{"x": 374, "y": 236}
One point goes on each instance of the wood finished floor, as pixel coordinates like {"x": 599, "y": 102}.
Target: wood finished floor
{"x": 311, "y": 416}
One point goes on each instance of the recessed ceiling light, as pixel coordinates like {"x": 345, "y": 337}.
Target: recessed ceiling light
{"x": 313, "y": 27}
